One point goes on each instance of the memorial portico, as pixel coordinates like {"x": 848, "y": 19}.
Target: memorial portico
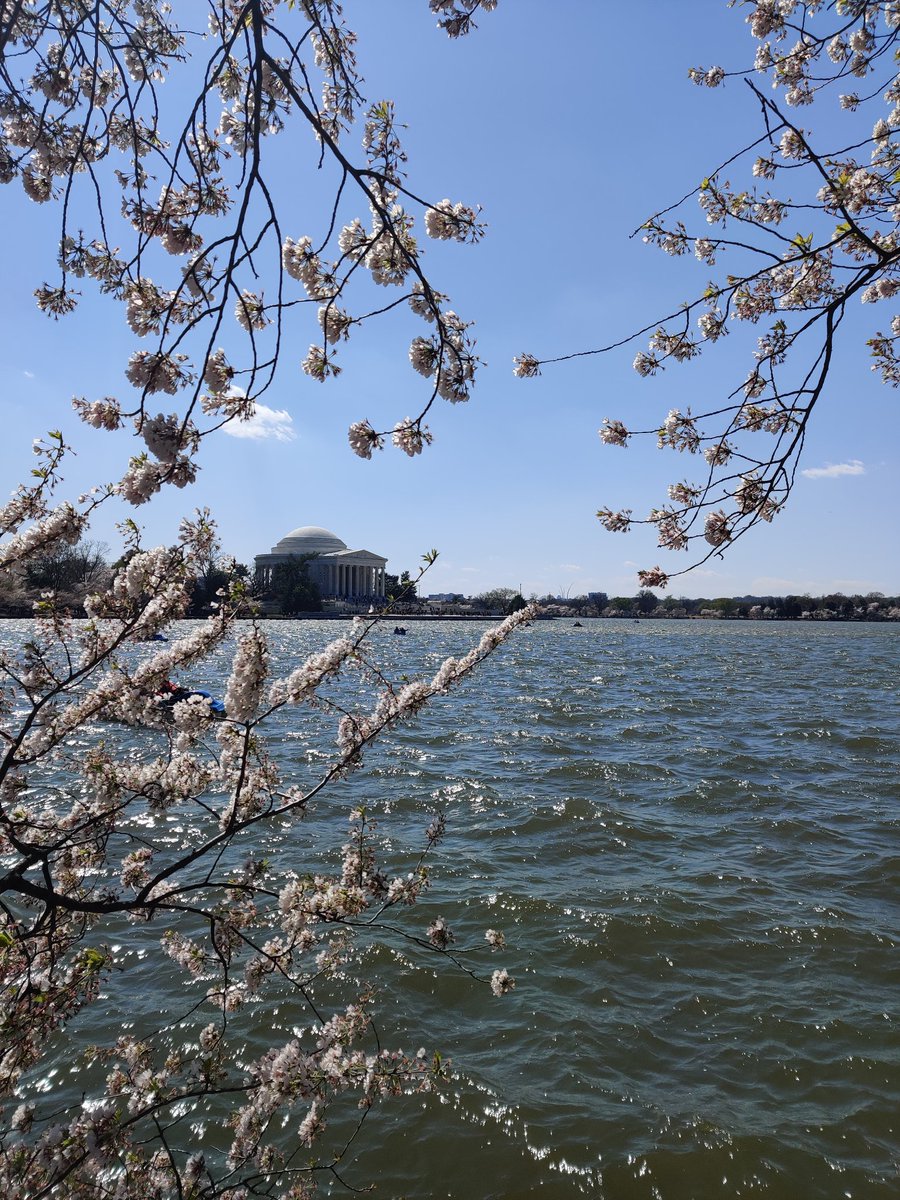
{"x": 339, "y": 573}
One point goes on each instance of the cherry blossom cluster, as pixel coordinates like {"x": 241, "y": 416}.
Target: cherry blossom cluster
{"x": 357, "y": 729}
{"x": 801, "y": 231}
{"x": 885, "y": 353}
{"x": 62, "y": 524}
{"x": 119, "y": 800}
{"x": 452, "y": 221}
{"x": 80, "y": 116}
{"x": 456, "y": 17}
{"x": 76, "y": 840}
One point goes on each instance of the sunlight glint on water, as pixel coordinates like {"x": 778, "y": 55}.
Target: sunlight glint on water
{"x": 688, "y": 832}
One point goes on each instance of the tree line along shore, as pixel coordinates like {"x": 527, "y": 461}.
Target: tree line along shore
{"x": 73, "y": 572}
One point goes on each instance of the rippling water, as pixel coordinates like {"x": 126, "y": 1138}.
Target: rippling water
{"x": 688, "y": 832}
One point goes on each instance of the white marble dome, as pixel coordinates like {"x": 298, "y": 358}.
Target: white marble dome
{"x": 339, "y": 573}
{"x": 309, "y": 539}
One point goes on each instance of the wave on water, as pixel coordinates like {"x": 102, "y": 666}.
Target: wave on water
{"x": 693, "y": 854}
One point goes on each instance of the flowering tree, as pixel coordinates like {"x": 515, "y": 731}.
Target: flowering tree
{"x": 80, "y": 94}
{"x": 807, "y": 230}
{"x": 120, "y": 802}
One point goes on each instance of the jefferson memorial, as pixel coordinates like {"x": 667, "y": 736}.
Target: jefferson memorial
{"x": 339, "y": 573}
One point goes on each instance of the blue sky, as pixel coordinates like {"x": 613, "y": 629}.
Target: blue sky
{"x": 569, "y": 131}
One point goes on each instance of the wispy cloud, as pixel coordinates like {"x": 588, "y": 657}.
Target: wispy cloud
{"x": 834, "y": 470}
{"x": 28, "y": 374}
{"x": 267, "y": 422}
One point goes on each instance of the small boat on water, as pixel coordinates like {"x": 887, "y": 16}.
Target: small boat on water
{"x": 399, "y": 630}
{"x": 578, "y": 625}
{"x": 171, "y": 694}
{"x": 166, "y": 698}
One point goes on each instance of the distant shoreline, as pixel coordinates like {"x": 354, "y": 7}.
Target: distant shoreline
{"x": 401, "y": 619}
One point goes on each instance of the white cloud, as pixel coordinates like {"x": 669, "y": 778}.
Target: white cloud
{"x": 833, "y": 470}
{"x": 569, "y": 567}
{"x": 267, "y": 422}
{"x": 28, "y": 374}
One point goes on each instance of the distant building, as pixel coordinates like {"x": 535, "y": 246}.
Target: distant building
{"x": 340, "y": 574}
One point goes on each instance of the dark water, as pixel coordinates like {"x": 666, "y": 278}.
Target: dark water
{"x": 688, "y": 833}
